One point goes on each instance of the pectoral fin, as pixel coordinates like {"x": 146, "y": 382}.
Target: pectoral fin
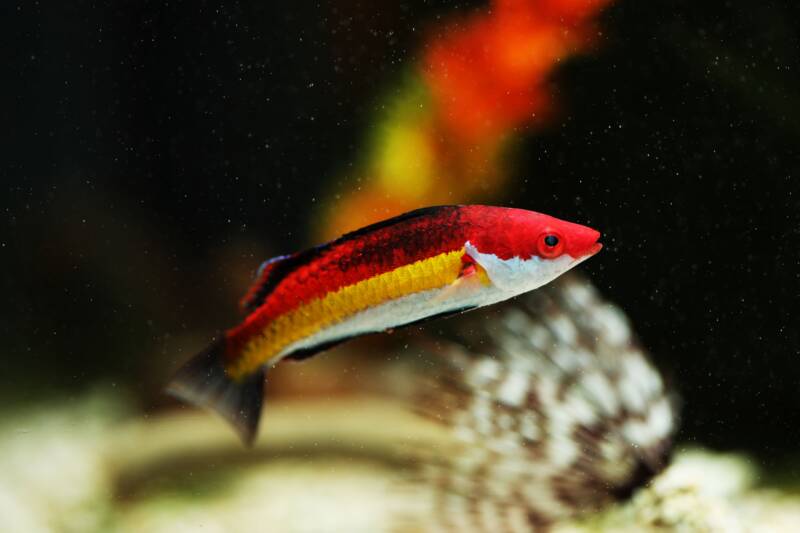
{"x": 471, "y": 274}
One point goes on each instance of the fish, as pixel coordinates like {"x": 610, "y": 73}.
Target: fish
{"x": 425, "y": 264}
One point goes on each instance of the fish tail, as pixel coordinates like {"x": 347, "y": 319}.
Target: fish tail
{"x": 202, "y": 381}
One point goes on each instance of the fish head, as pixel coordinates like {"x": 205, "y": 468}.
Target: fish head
{"x": 522, "y": 250}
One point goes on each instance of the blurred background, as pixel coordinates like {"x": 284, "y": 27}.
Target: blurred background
{"x": 153, "y": 154}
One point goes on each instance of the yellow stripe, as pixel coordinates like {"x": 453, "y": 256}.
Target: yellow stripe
{"x": 334, "y": 307}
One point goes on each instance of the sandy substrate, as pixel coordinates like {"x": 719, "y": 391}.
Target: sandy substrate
{"x": 326, "y": 465}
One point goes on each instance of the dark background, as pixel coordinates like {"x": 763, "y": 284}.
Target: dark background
{"x": 154, "y": 153}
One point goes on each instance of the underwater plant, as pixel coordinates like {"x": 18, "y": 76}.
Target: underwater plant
{"x": 479, "y": 82}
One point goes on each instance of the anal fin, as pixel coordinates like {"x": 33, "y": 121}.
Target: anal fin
{"x": 305, "y": 353}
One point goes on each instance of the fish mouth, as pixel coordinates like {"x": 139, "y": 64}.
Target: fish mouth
{"x": 593, "y": 249}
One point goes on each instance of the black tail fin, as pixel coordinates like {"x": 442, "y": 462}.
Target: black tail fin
{"x": 202, "y": 381}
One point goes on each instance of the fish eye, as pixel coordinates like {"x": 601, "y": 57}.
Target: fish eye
{"x": 550, "y": 245}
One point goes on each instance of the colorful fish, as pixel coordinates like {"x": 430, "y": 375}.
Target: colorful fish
{"x": 427, "y": 263}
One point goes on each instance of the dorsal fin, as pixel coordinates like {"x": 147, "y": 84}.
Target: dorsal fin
{"x": 416, "y": 213}
{"x": 264, "y": 278}
{"x": 273, "y": 271}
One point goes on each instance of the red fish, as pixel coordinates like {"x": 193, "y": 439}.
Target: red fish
{"x": 426, "y": 263}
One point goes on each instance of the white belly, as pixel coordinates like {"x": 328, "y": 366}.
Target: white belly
{"x": 405, "y": 310}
